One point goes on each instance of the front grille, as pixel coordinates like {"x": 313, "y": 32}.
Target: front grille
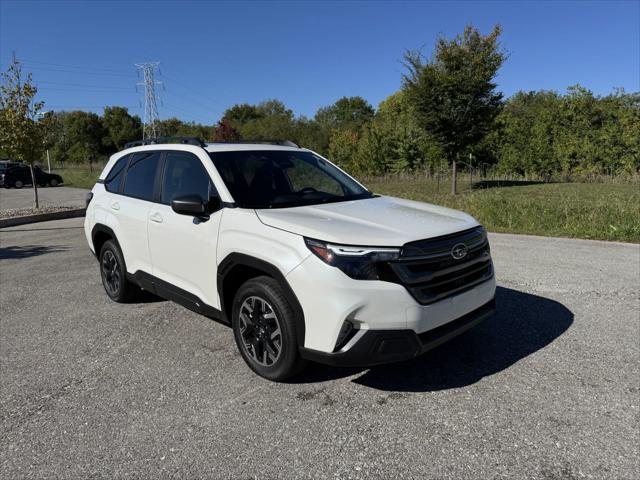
{"x": 430, "y": 273}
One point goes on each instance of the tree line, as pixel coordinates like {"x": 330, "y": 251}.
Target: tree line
{"x": 447, "y": 112}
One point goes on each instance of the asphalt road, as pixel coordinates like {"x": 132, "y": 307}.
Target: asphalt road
{"x": 548, "y": 389}
{"x": 15, "y": 198}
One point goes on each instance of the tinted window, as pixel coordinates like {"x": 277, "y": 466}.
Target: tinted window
{"x": 185, "y": 175}
{"x": 141, "y": 175}
{"x": 114, "y": 179}
{"x": 280, "y": 178}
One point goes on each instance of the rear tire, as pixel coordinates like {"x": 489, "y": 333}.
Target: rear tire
{"x": 114, "y": 274}
{"x": 263, "y": 324}
{"x": 53, "y": 182}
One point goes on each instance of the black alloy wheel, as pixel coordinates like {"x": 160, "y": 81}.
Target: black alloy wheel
{"x": 114, "y": 274}
{"x": 264, "y": 327}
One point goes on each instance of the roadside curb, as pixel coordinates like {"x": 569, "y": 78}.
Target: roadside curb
{"x": 42, "y": 217}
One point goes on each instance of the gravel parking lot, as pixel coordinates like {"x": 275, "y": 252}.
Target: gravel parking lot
{"x": 14, "y": 198}
{"x": 548, "y": 389}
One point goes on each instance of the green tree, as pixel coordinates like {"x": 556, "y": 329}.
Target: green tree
{"x": 84, "y": 135}
{"x": 21, "y": 134}
{"x": 242, "y": 113}
{"x": 371, "y": 152}
{"x": 405, "y": 146}
{"x": 310, "y": 134}
{"x": 120, "y": 127}
{"x": 528, "y": 127}
{"x": 170, "y": 127}
{"x": 273, "y": 121}
{"x": 348, "y": 113}
{"x": 343, "y": 146}
{"x": 454, "y": 93}
{"x": 174, "y": 127}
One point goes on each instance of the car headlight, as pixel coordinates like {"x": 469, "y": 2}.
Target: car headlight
{"x": 360, "y": 263}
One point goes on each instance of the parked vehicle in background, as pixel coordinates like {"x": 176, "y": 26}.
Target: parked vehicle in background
{"x": 298, "y": 257}
{"x": 5, "y": 164}
{"x": 18, "y": 175}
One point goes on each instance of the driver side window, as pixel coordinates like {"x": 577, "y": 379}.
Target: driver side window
{"x": 184, "y": 174}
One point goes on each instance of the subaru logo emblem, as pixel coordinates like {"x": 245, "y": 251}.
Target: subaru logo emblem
{"x": 459, "y": 251}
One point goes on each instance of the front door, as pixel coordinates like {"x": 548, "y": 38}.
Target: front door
{"x": 183, "y": 248}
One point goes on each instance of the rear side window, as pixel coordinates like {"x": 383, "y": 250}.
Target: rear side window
{"x": 141, "y": 175}
{"x": 114, "y": 179}
{"x": 185, "y": 175}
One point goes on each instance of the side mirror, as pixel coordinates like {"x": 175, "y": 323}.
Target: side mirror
{"x": 192, "y": 205}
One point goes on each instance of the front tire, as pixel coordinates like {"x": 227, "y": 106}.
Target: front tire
{"x": 114, "y": 274}
{"x": 18, "y": 184}
{"x": 264, "y": 329}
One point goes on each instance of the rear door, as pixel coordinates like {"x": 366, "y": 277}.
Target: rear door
{"x": 183, "y": 248}
{"x": 131, "y": 208}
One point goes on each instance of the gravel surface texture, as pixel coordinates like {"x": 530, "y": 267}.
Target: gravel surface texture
{"x": 22, "y": 198}
{"x": 23, "y": 212}
{"x": 547, "y": 389}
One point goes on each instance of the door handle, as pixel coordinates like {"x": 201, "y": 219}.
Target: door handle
{"x": 115, "y": 206}
{"x": 155, "y": 217}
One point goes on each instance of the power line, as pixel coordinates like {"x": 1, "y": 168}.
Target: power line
{"x": 150, "y": 129}
{"x": 89, "y": 90}
{"x": 177, "y": 109}
{"x": 80, "y": 67}
{"x": 80, "y": 107}
{"x": 198, "y": 94}
{"x": 106, "y": 87}
{"x": 87, "y": 72}
{"x": 193, "y": 103}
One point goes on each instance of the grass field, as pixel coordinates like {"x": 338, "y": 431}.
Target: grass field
{"x": 78, "y": 177}
{"x": 578, "y": 210}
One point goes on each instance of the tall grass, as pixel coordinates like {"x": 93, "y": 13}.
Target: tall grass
{"x": 604, "y": 208}
{"x": 78, "y": 178}
{"x": 579, "y": 210}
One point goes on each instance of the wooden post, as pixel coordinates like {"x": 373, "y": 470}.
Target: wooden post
{"x": 454, "y": 179}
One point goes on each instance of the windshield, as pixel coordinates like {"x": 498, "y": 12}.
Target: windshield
{"x": 280, "y": 178}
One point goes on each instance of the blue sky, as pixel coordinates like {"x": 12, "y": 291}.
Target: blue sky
{"x": 308, "y": 54}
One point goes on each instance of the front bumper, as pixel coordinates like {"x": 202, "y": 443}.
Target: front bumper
{"x": 377, "y": 347}
{"x": 329, "y": 297}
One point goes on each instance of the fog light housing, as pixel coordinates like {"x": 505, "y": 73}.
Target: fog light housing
{"x": 346, "y": 333}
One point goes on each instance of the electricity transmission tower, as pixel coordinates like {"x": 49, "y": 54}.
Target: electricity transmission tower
{"x": 150, "y": 128}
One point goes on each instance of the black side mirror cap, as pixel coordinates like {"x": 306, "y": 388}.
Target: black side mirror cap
{"x": 214, "y": 204}
{"x": 192, "y": 205}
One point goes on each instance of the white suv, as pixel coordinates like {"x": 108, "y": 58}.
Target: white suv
{"x": 297, "y": 256}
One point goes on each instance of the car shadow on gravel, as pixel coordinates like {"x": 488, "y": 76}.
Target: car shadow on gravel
{"x": 28, "y": 251}
{"x": 524, "y": 323}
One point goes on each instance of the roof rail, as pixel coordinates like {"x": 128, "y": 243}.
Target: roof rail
{"x": 282, "y": 143}
{"x": 157, "y": 140}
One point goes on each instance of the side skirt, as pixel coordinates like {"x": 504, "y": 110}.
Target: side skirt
{"x": 169, "y": 291}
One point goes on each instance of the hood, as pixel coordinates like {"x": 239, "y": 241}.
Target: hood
{"x": 379, "y": 221}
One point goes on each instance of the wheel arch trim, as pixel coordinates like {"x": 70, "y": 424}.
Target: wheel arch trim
{"x": 235, "y": 260}
{"x": 101, "y": 228}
